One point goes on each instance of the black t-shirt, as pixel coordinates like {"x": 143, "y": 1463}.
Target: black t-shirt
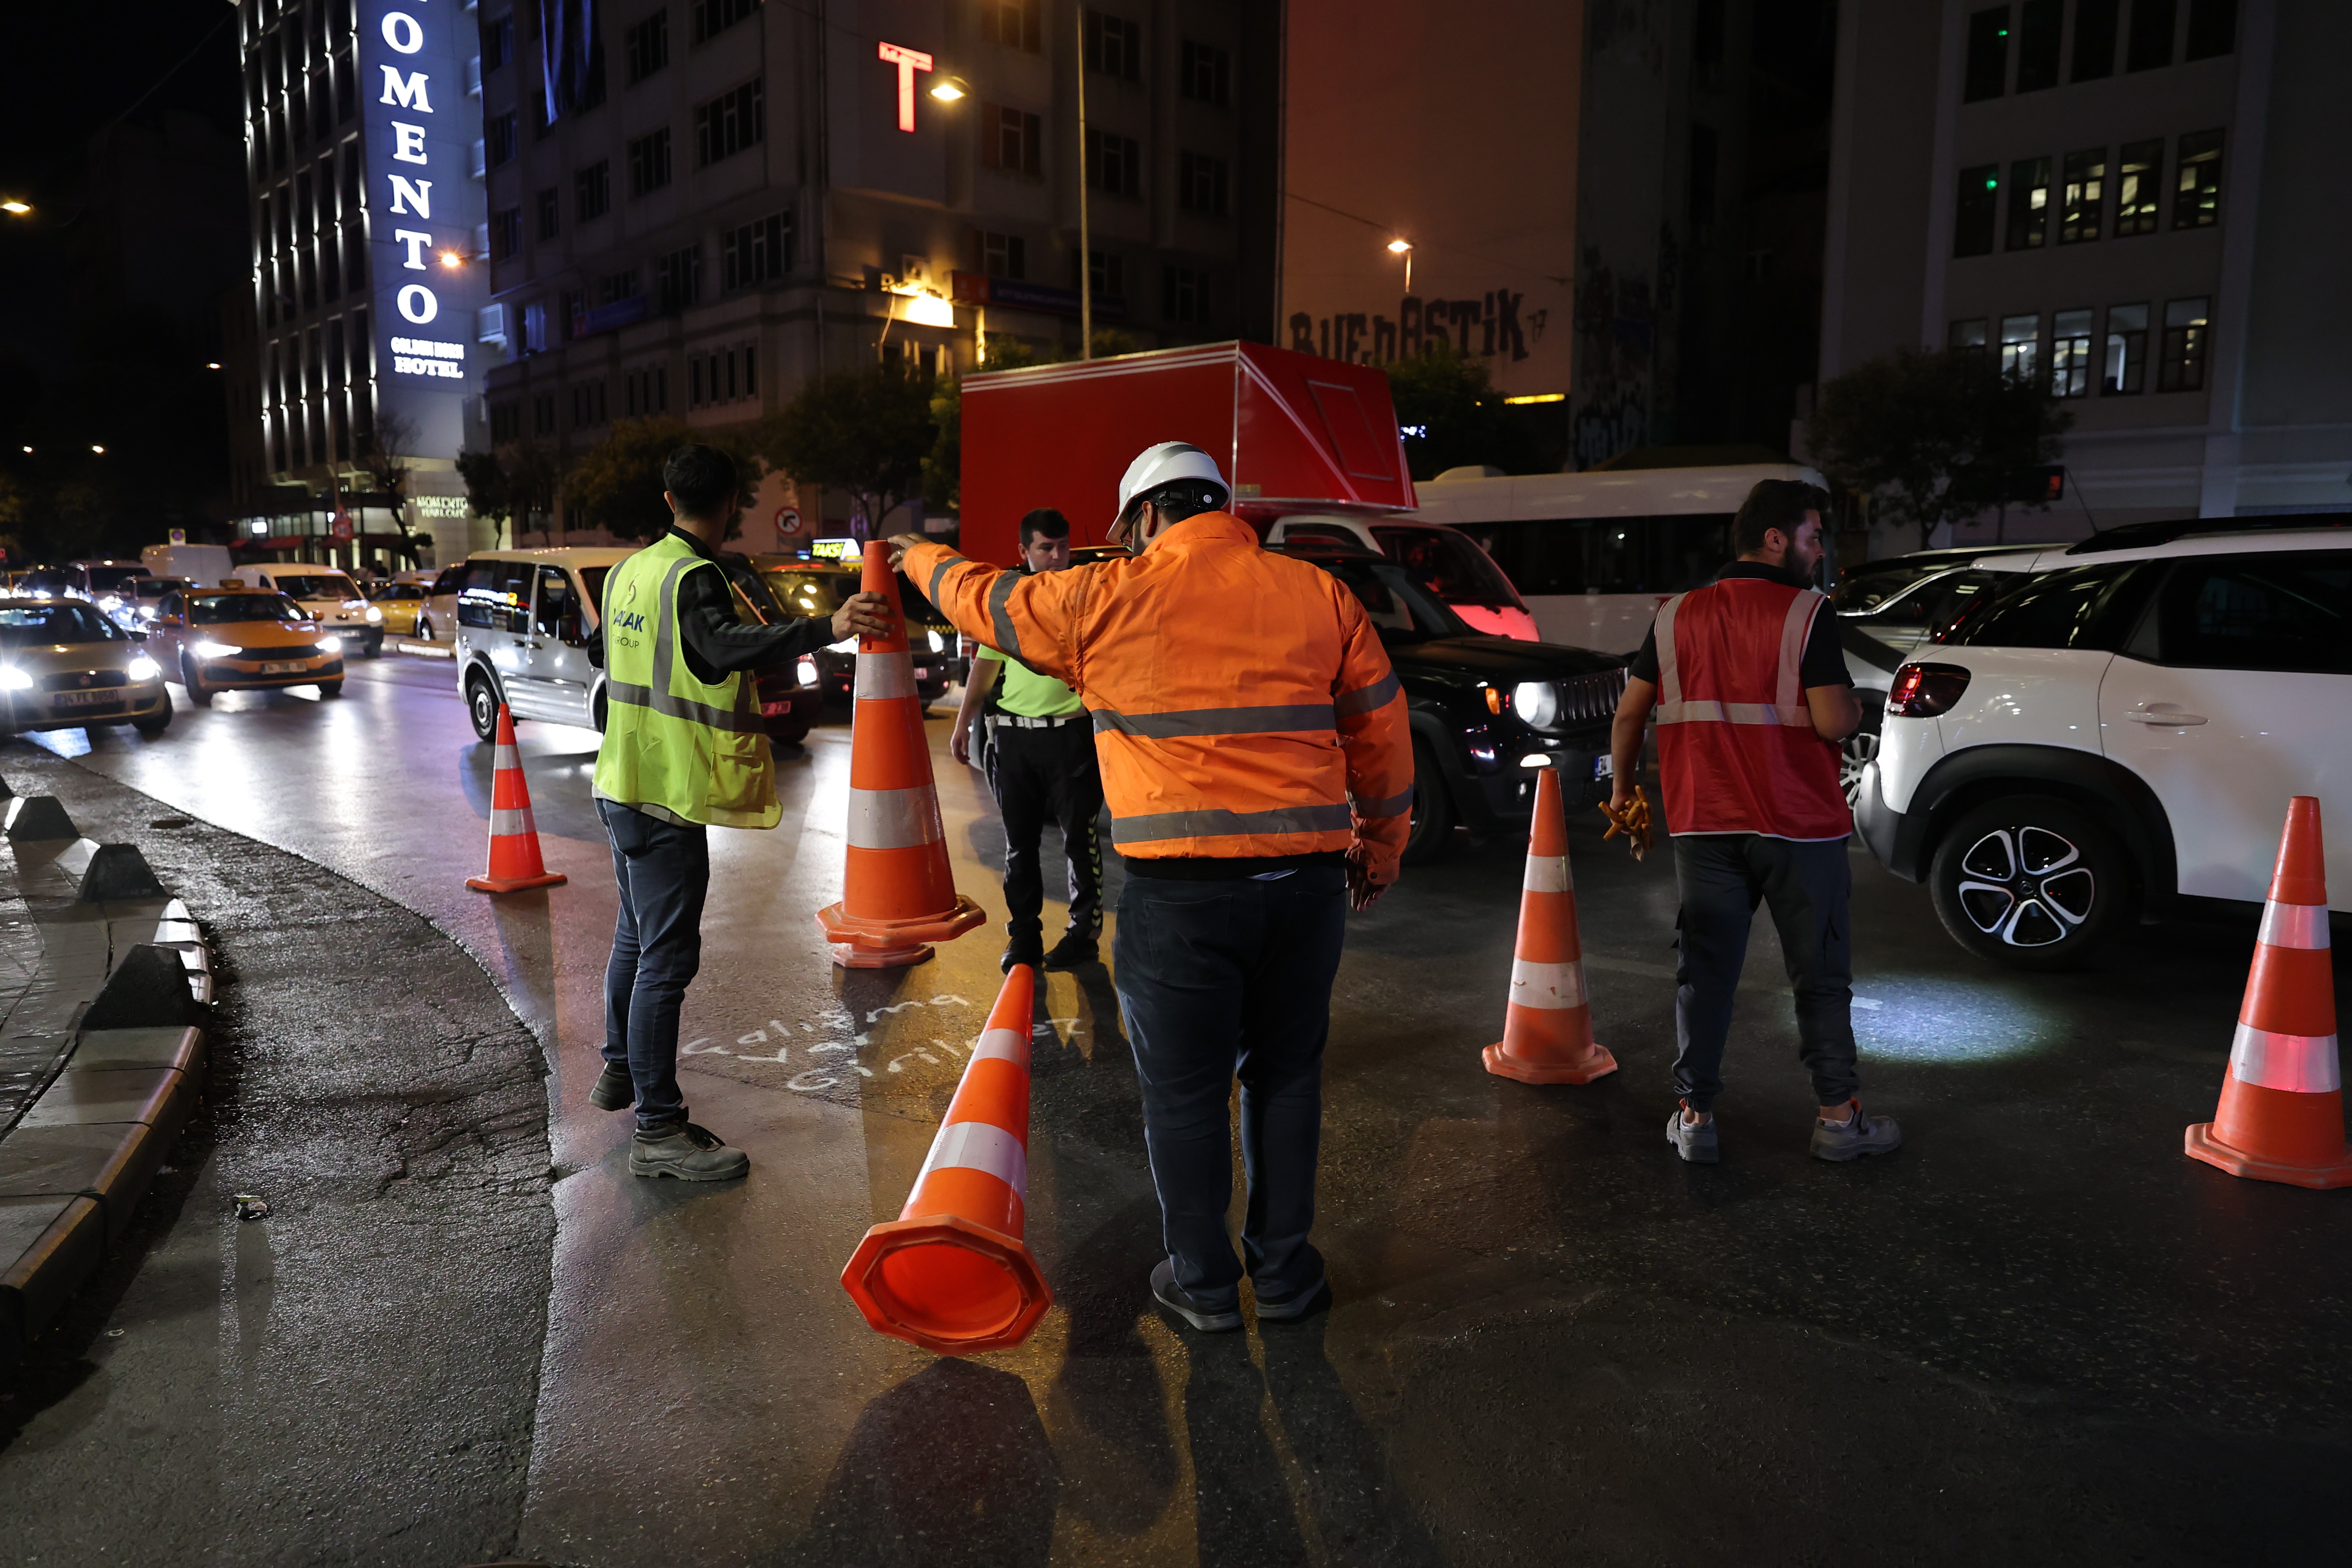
{"x": 1825, "y": 660}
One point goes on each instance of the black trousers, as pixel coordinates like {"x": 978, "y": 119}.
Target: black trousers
{"x": 1722, "y": 876}
{"x": 1042, "y": 776}
{"x": 664, "y": 871}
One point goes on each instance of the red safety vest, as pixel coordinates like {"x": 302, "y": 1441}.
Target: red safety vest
{"x": 1736, "y": 750}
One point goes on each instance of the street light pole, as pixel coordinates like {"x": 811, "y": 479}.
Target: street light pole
{"x": 1085, "y": 249}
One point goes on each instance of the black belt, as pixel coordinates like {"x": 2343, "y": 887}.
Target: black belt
{"x": 1021, "y": 722}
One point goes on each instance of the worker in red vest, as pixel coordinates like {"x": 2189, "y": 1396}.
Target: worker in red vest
{"x": 1752, "y": 698}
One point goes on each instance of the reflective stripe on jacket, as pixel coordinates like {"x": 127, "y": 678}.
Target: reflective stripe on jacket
{"x": 1241, "y": 703}
{"x": 1737, "y": 748}
{"x": 673, "y": 745}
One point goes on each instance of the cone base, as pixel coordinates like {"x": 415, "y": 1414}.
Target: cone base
{"x": 2199, "y": 1144}
{"x": 1011, "y": 1299}
{"x": 875, "y": 931}
{"x": 1600, "y": 1064}
{"x": 515, "y": 884}
{"x": 849, "y": 956}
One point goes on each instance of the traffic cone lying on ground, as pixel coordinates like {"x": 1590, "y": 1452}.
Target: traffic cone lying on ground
{"x": 514, "y": 836}
{"x": 952, "y": 1273}
{"x": 898, "y": 893}
{"x": 2282, "y": 1114}
{"x": 1547, "y": 1024}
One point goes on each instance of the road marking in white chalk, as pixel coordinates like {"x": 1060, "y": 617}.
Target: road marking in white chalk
{"x": 1867, "y": 1005}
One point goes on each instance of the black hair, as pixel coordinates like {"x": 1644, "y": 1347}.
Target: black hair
{"x": 1775, "y": 503}
{"x": 703, "y": 480}
{"x": 1044, "y": 523}
{"x": 1180, "y": 499}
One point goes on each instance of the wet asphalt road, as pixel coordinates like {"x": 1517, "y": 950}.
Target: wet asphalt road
{"x": 2038, "y": 1334}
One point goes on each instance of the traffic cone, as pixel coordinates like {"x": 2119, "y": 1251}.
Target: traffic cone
{"x": 1547, "y": 1022}
{"x": 898, "y": 893}
{"x": 514, "y": 836}
{"x": 952, "y": 1273}
{"x": 2282, "y": 1114}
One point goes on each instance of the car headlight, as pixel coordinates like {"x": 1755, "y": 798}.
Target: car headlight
{"x": 146, "y": 612}
{"x": 373, "y": 614}
{"x": 1536, "y": 702}
{"x": 215, "y": 649}
{"x": 938, "y": 643}
{"x": 330, "y": 644}
{"x": 15, "y": 680}
{"x": 111, "y": 601}
{"x": 144, "y": 669}
{"x": 806, "y": 671}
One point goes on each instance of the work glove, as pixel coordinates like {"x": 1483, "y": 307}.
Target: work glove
{"x": 1633, "y": 820}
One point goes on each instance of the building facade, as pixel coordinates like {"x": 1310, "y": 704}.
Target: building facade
{"x": 2132, "y": 199}
{"x": 695, "y": 205}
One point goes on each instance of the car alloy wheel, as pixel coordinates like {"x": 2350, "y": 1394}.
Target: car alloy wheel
{"x": 2026, "y": 885}
{"x": 482, "y": 706}
{"x": 2030, "y": 881}
{"x": 1857, "y": 751}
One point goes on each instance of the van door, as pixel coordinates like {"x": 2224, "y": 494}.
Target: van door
{"x": 558, "y": 652}
{"x": 494, "y": 623}
{"x": 2233, "y": 693}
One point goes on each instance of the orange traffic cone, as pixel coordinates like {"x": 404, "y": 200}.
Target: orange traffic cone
{"x": 2282, "y": 1115}
{"x": 514, "y": 836}
{"x": 1547, "y": 1024}
{"x": 898, "y": 893}
{"x": 952, "y": 1273}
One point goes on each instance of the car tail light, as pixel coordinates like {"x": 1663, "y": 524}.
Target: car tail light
{"x": 1924, "y": 690}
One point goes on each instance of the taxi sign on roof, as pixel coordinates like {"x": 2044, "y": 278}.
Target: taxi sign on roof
{"x": 836, "y": 550}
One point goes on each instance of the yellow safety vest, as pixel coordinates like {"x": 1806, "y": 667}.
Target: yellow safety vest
{"x": 696, "y": 751}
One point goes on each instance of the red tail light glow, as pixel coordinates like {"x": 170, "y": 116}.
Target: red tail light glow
{"x": 1924, "y": 690}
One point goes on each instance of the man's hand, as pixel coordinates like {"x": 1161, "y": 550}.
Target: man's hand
{"x": 1362, "y": 892}
{"x": 902, "y": 542}
{"x": 960, "y": 741}
{"x": 862, "y": 615}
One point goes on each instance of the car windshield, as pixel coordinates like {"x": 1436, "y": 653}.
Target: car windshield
{"x": 156, "y": 587}
{"x": 1866, "y": 587}
{"x": 806, "y": 594}
{"x": 1400, "y": 608}
{"x": 220, "y": 610}
{"x": 111, "y": 579}
{"x": 39, "y": 625}
{"x": 315, "y": 585}
{"x": 1450, "y": 565}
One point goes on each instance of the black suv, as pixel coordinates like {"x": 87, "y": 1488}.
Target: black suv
{"x": 1488, "y": 712}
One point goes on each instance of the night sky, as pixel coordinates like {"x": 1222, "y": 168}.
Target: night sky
{"x": 71, "y": 69}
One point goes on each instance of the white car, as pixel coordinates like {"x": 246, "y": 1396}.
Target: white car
{"x": 2120, "y": 733}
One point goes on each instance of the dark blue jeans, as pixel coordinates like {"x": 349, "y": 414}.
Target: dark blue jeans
{"x": 664, "y": 872}
{"x": 1219, "y": 980}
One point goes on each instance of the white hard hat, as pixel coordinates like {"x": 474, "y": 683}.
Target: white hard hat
{"x": 1169, "y": 462}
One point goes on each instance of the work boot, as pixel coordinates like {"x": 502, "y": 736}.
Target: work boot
{"x": 1028, "y": 952}
{"x": 614, "y": 1091}
{"x": 1857, "y": 1135}
{"x": 1315, "y": 1299}
{"x": 1693, "y": 1141}
{"x": 686, "y": 1151}
{"x": 1072, "y": 951}
{"x": 1181, "y": 1302}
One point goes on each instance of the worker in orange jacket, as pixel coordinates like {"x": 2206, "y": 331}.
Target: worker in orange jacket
{"x": 1258, "y": 766}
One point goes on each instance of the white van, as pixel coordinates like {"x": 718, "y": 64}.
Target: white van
{"x": 202, "y": 564}
{"x": 327, "y": 596}
{"x": 524, "y": 618}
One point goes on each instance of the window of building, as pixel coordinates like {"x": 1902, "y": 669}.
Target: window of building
{"x": 756, "y": 252}
{"x": 534, "y": 328}
{"x": 2039, "y": 23}
{"x": 592, "y": 191}
{"x": 2082, "y": 196}
{"x": 2095, "y": 39}
{"x": 2123, "y": 371}
{"x": 571, "y": 305}
{"x": 1201, "y": 184}
{"x": 2212, "y": 28}
{"x": 728, "y": 123}
{"x": 346, "y": 101}
{"x": 2028, "y": 204}
{"x": 587, "y": 404}
{"x": 649, "y": 162}
{"x": 1003, "y": 255}
{"x": 2140, "y": 182}
{"x": 715, "y": 16}
{"x": 1205, "y": 73}
{"x": 1010, "y": 140}
{"x": 2180, "y": 364}
{"x": 506, "y": 234}
{"x": 498, "y": 137}
{"x": 2149, "y": 46}
{"x": 722, "y": 375}
{"x": 678, "y": 279}
{"x": 330, "y": 271}
{"x": 1988, "y": 66}
{"x": 498, "y": 41}
{"x": 1184, "y": 295}
{"x": 1015, "y": 23}
{"x": 506, "y": 423}
{"x": 1114, "y": 46}
{"x": 2197, "y": 193}
{"x": 645, "y": 47}
{"x": 1113, "y": 163}
{"x": 615, "y": 286}
{"x": 2020, "y": 347}
{"x": 551, "y": 213}
{"x": 542, "y": 415}
{"x": 646, "y": 390}
{"x": 1966, "y": 336}
{"x": 2070, "y": 353}
{"x": 1106, "y": 275}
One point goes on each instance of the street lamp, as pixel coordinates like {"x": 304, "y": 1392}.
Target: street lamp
{"x": 15, "y": 208}
{"x": 1403, "y": 248}
{"x": 949, "y": 88}
{"x": 452, "y": 259}
{"x": 100, "y": 450}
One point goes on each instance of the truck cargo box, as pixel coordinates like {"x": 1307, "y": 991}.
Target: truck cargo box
{"x": 1293, "y": 432}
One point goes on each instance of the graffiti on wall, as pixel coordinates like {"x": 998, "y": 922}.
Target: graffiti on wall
{"x": 1622, "y": 331}
{"x": 1492, "y": 325}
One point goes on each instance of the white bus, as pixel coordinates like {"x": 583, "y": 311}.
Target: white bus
{"x": 1594, "y": 554}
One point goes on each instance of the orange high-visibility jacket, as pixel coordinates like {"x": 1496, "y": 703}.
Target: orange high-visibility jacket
{"x": 1242, "y": 705}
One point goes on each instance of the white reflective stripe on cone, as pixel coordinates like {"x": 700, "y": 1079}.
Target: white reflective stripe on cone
{"x": 884, "y": 675}
{"x": 1537, "y": 984}
{"x": 1548, "y": 874}
{"x": 2295, "y": 925}
{"x": 894, "y": 818}
{"x": 1004, "y": 1046}
{"x": 508, "y": 822}
{"x": 506, "y": 760}
{"x": 979, "y": 1146}
{"x": 2299, "y": 1064}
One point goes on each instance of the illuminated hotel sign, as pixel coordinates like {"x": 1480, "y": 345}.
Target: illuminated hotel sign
{"x": 423, "y": 207}
{"x": 908, "y": 62}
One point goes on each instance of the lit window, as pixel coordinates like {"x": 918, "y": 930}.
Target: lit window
{"x": 2197, "y": 193}
{"x": 2181, "y": 367}
{"x": 2070, "y": 353}
{"x": 2139, "y": 179}
{"x": 1968, "y": 335}
{"x": 2124, "y": 371}
{"x": 2020, "y": 346}
{"x": 2083, "y": 196}
{"x": 2028, "y": 204}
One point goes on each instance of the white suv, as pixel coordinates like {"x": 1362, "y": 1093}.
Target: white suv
{"x": 2117, "y": 732}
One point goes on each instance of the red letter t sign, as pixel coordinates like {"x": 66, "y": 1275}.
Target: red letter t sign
{"x": 908, "y": 62}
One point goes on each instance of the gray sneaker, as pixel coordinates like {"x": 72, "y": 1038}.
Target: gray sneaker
{"x": 686, "y": 1151}
{"x": 1857, "y": 1135}
{"x": 1181, "y": 1302}
{"x": 1693, "y": 1141}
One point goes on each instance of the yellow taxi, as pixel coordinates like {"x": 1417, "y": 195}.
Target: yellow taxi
{"x": 65, "y": 664}
{"x": 400, "y": 603}
{"x": 239, "y": 638}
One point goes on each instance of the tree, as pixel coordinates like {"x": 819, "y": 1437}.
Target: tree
{"x": 867, "y": 432}
{"x": 1452, "y": 416}
{"x": 617, "y": 482}
{"x": 382, "y": 451}
{"x": 488, "y": 491}
{"x": 1935, "y": 437}
{"x": 511, "y": 484}
{"x": 943, "y": 469}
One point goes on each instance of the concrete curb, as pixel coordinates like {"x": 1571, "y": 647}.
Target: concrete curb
{"x": 122, "y": 979}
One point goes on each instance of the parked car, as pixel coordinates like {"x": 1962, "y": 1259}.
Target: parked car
{"x": 400, "y": 603}
{"x": 437, "y": 617}
{"x": 1445, "y": 561}
{"x": 2125, "y": 732}
{"x": 328, "y": 596}
{"x": 524, "y": 621}
{"x": 64, "y": 666}
{"x": 232, "y": 640}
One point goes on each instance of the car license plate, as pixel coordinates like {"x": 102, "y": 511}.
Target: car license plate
{"x": 1604, "y": 766}
{"x": 279, "y": 668}
{"x": 86, "y": 698}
